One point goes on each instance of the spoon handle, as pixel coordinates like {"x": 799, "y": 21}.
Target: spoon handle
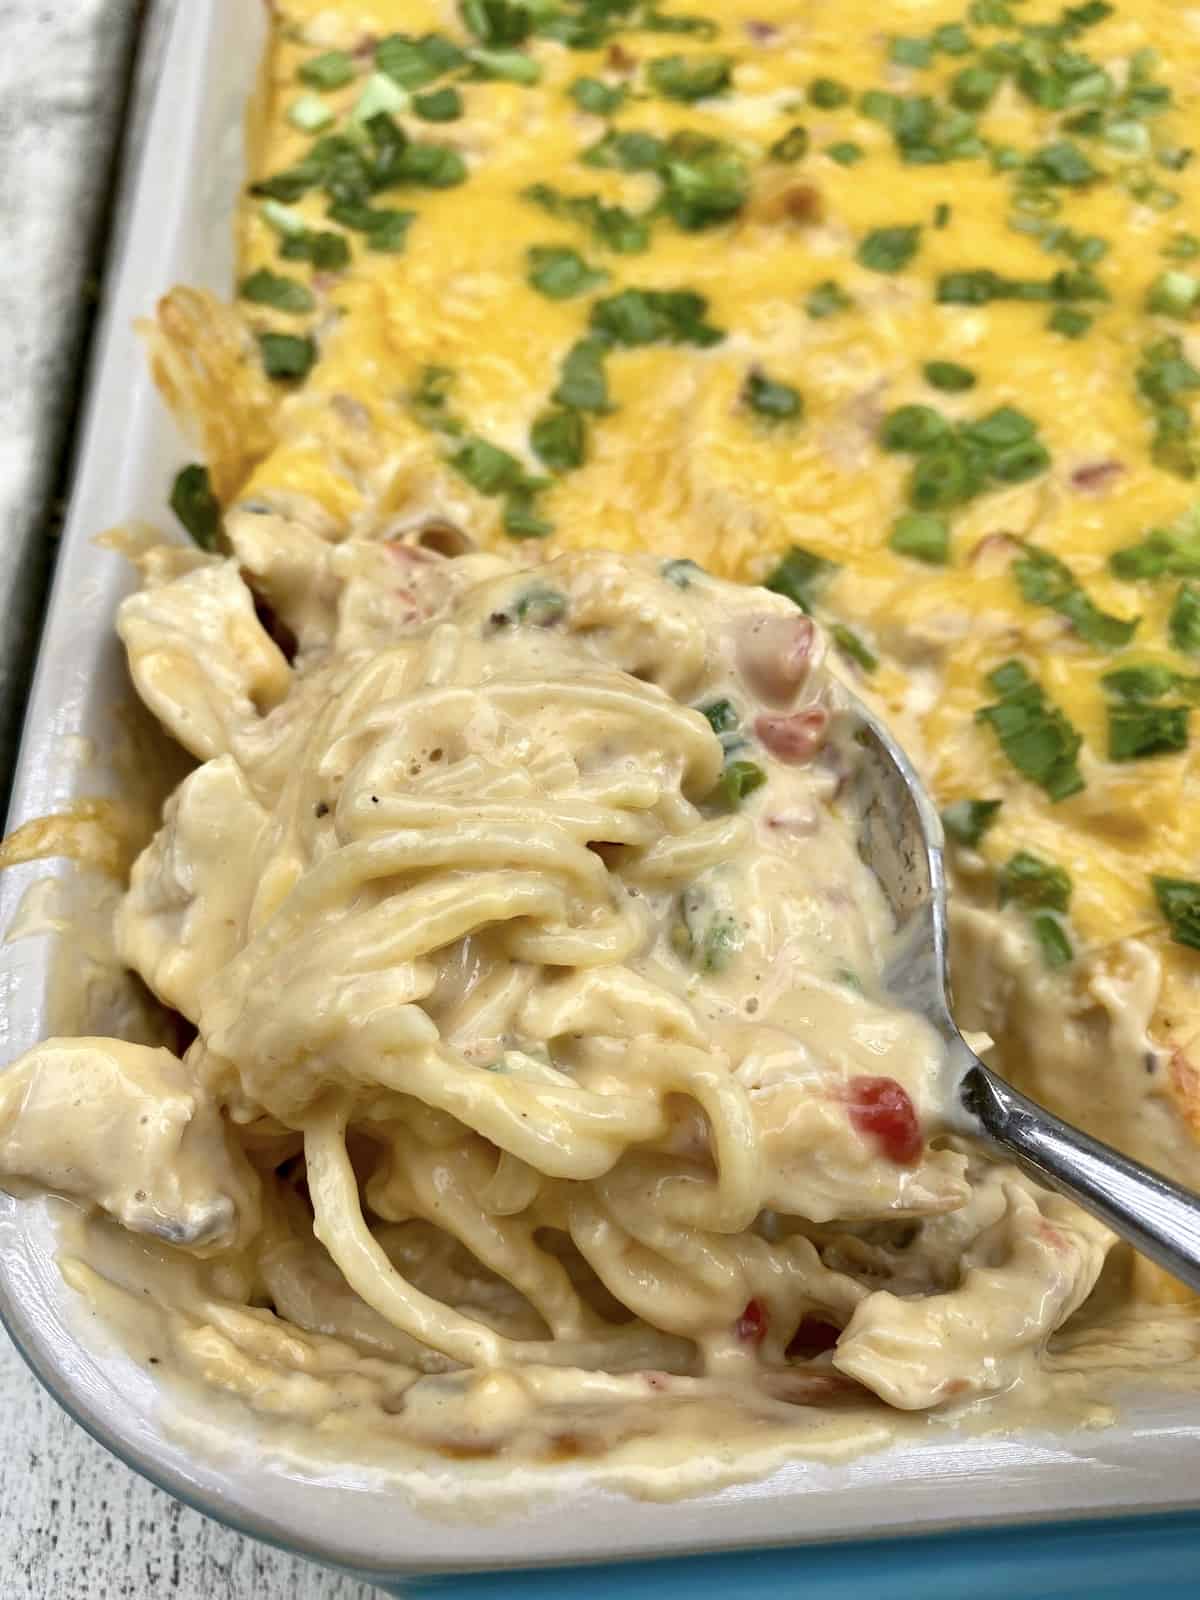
{"x": 1156, "y": 1216}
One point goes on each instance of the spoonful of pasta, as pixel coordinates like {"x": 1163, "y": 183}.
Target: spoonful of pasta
{"x": 901, "y": 840}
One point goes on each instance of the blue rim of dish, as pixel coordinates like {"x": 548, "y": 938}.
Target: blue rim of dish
{"x": 1089, "y": 1559}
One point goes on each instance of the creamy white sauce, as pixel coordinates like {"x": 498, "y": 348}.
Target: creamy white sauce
{"x": 539, "y": 1103}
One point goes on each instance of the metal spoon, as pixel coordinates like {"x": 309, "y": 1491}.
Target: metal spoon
{"x": 901, "y": 840}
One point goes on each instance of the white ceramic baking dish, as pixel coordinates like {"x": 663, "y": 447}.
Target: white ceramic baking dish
{"x": 179, "y": 229}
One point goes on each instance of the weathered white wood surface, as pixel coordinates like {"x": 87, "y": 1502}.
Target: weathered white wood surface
{"x": 74, "y": 1523}
{"x": 78, "y": 1525}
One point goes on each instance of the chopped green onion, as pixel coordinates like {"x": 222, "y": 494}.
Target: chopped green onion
{"x": 1070, "y": 323}
{"x": 966, "y": 821}
{"x": 881, "y": 106}
{"x": 505, "y": 66}
{"x": 720, "y": 715}
{"x": 596, "y": 96}
{"x": 386, "y": 230}
{"x": 1033, "y": 733}
{"x": 655, "y": 21}
{"x": 827, "y": 93}
{"x": 793, "y": 146}
{"x": 972, "y": 88}
{"x": 1179, "y": 901}
{"x": 1128, "y": 135}
{"x": 332, "y": 70}
{"x": 826, "y": 300}
{"x": 266, "y": 288}
{"x": 709, "y": 933}
{"x": 705, "y": 180}
{"x": 922, "y": 536}
{"x": 559, "y": 272}
{"x": 650, "y": 316}
{"x": 853, "y": 645}
{"x": 486, "y": 467}
{"x": 1175, "y": 160}
{"x": 948, "y": 376}
{"x": 327, "y": 251}
{"x": 559, "y": 439}
{"x": 1138, "y": 731}
{"x": 846, "y": 153}
{"x": 1174, "y": 294}
{"x": 771, "y": 399}
{"x": 414, "y": 63}
{"x": 680, "y": 572}
{"x": 309, "y": 113}
{"x": 944, "y": 477}
{"x": 1183, "y": 624}
{"x": 520, "y": 519}
{"x": 285, "y": 355}
{"x": 380, "y": 94}
{"x": 1163, "y": 376}
{"x": 1045, "y": 580}
{"x": 689, "y": 78}
{"x": 1165, "y": 552}
{"x": 1140, "y": 683}
{"x": 632, "y": 151}
{"x": 196, "y": 506}
{"x": 1001, "y": 429}
{"x": 739, "y": 779}
{"x": 799, "y": 575}
{"x": 583, "y": 385}
{"x": 439, "y": 105}
{"x": 281, "y": 218}
{"x": 910, "y": 52}
{"x": 723, "y": 940}
{"x": 541, "y": 606}
{"x": 1019, "y": 463}
{"x": 287, "y": 186}
{"x": 428, "y": 400}
{"x": 952, "y": 39}
{"x": 497, "y": 22}
{"x": 1064, "y": 162}
{"x": 1030, "y": 881}
{"x": 889, "y": 249}
{"x": 612, "y": 226}
{"x": 1052, "y": 939}
{"x": 914, "y": 429}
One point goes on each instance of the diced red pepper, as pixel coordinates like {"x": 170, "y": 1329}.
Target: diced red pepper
{"x": 881, "y": 1108}
{"x": 795, "y": 738}
{"x": 751, "y": 1326}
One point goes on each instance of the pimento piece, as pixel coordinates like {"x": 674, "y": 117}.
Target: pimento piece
{"x": 794, "y": 739}
{"x": 751, "y": 1326}
{"x": 1097, "y": 477}
{"x": 881, "y": 1109}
